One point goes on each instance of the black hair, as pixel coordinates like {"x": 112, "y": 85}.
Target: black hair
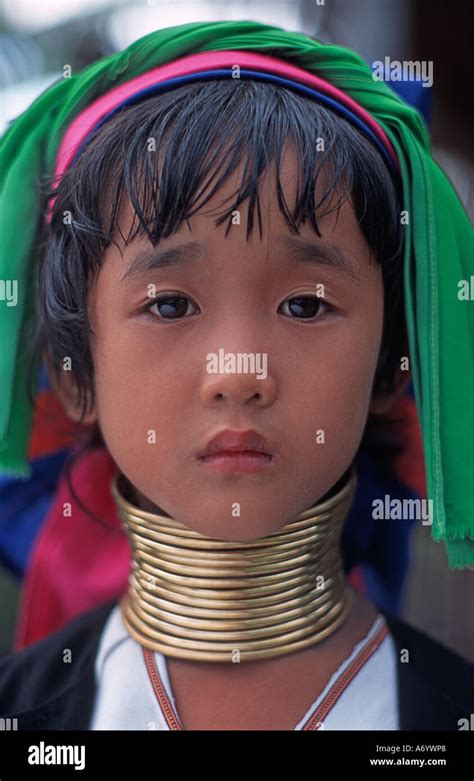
{"x": 202, "y": 130}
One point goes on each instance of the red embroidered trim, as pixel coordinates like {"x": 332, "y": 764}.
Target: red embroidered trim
{"x": 160, "y": 692}
{"x": 341, "y": 684}
{"x": 313, "y": 722}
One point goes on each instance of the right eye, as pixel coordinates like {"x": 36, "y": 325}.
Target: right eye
{"x": 169, "y": 307}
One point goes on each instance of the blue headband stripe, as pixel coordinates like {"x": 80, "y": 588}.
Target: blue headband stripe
{"x": 169, "y": 84}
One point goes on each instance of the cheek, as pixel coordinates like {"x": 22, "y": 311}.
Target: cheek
{"x": 338, "y": 380}
{"x": 137, "y": 394}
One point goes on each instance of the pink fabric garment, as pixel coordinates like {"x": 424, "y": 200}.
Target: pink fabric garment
{"x": 84, "y": 123}
{"x": 76, "y": 564}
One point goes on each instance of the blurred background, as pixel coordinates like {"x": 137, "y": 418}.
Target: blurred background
{"x": 39, "y": 37}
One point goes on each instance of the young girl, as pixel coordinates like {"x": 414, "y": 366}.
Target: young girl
{"x": 219, "y": 300}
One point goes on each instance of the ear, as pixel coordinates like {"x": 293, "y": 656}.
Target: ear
{"x": 66, "y": 390}
{"x": 383, "y": 403}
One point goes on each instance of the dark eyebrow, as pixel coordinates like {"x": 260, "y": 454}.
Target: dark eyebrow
{"x": 299, "y": 249}
{"x": 309, "y": 252}
{"x": 155, "y": 259}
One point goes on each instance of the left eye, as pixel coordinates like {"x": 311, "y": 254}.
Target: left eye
{"x": 170, "y": 307}
{"x": 305, "y": 307}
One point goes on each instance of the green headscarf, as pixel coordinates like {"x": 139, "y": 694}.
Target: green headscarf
{"x": 439, "y": 248}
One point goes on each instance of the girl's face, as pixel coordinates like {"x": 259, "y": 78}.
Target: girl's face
{"x": 307, "y": 315}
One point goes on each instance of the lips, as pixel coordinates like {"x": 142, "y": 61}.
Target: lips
{"x": 228, "y": 441}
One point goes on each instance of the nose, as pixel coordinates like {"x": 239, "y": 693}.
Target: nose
{"x": 238, "y": 389}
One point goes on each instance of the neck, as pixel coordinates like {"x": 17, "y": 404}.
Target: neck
{"x": 193, "y": 597}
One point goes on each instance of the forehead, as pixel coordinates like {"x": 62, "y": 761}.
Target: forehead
{"x": 339, "y": 227}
